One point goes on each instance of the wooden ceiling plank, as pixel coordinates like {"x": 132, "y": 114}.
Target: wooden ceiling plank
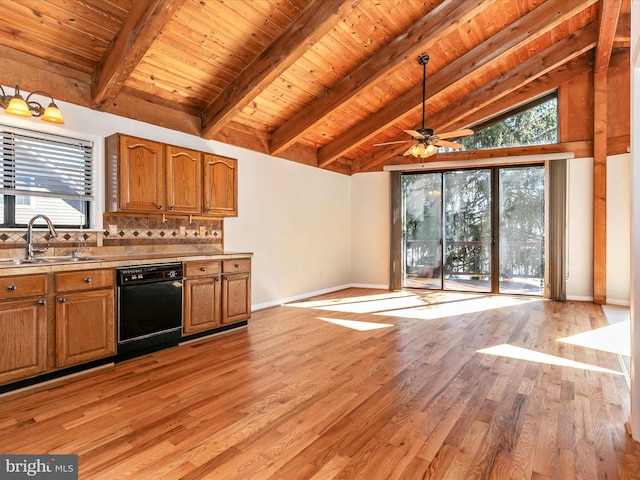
{"x": 537, "y": 66}
{"x": 316, "y": 20}
{"x": 521, "y": 32}
{"x": 609, "y": 13}
{"x": 144, "y": 23}
{"x": 440, "y": 21}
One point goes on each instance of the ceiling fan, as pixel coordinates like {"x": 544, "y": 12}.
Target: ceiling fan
{"x": 427, "y": 139}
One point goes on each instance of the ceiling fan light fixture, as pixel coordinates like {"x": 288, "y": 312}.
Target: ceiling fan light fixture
{"x": 422, "y": 150}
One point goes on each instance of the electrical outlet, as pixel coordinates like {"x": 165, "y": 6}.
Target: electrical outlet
{"x": 113, "y": 230}
{"x": 183, "y": 231}
{"x": 202, "y": 230}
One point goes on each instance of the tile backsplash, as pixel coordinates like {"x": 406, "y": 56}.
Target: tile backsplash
{"x": 126, "y": 231}
{"x": 140, "y": 230}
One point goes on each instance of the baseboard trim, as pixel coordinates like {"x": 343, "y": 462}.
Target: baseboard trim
{"x": 303, "y": 296}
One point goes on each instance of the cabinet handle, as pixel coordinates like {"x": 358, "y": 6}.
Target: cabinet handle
{"x": 62, "y": 300}
{"x": 217, "y": 277}
{"x": 87, "y": 280}
{"x": 159, "y": 207}
{"x": 237, "y": 265}
{"x": 171, "y": 208}
{"x": 42, "y": 302}
{"x": 204, "y": 269}
{"x": 11, "y": 288}
{"x": 208, "y": 210}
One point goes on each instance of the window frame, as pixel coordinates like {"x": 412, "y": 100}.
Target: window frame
{"x": 10, "y": 195}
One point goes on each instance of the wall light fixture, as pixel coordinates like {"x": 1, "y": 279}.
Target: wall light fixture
{"x": 16, "y": 105}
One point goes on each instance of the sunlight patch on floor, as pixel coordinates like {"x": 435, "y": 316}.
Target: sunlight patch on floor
{"x": 356, "y": 325}
{"x": 449, "y": 309}
{"x": 359, "y": 304}
{"x": 519, "y": 353}
{"x": 613, "y": 338}
{"x": 426, "y": 306}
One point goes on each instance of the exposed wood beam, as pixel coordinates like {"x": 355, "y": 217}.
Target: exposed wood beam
{"x": 142, "y": 26}
{"x": 550, "y": 59}
{"x": 608, "y": 24}
{"x": 609, "y": 13}
{"x": 600, "y": 187}
{"x": 579, "y": 149}
{"x": 443, "y": 19}
{"x": 315, "y": 21}
{"x": 524, "y": 30}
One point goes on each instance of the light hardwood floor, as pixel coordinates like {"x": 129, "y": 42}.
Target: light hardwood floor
{"x": 360, "y": 384}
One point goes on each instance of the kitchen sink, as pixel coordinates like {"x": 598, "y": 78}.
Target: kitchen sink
{"x": 48, "y": 260}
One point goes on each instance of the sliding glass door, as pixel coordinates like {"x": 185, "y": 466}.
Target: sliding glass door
{"x": 474, "y": 230}
{"x": 467, "y": 233}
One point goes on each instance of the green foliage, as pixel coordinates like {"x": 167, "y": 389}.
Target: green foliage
{"x": 538, "y": 125}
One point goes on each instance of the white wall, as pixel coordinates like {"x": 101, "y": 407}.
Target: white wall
{"x": 297, "y": 221}
{"x": 371, "y": 229}
{"x": 618, "y": 229}
{"x": 580, "y": 229}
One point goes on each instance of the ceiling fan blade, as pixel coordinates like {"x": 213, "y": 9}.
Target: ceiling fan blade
{"x": 456, "y": 133}
{"x": 414, "y": 133}
{"x": 444, "y": 143}
{"x": 391, "y": 143}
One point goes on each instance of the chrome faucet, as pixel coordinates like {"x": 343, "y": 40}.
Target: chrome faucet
{"x": 31, "y": 252}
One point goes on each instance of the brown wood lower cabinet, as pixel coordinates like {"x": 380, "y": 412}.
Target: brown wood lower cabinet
{"x": 23, "y": 339}
{"x": 23, "y": 327}
{"x": 236, "y": 301}
{"x": 85, "y": 316}
{"x": 201, "y": 304}
{"x": 213, "y": 299}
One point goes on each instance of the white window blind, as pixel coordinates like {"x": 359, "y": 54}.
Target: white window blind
{"x": 45, "y": 174}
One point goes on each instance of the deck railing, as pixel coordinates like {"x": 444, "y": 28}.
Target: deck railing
{"x": 518, "y": 259}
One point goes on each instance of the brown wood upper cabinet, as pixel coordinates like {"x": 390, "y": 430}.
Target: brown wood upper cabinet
{"x": 220, "y": 186}
{"x": 144, "y": 176}
{"x": 147, "y": 176}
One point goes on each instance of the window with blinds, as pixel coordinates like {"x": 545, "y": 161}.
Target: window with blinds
{"x": 44, "y": 174}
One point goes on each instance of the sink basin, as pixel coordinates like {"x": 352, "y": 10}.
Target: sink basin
{"x": 48, "y": 260}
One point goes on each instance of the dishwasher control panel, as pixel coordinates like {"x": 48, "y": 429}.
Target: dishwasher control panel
{"x": 149, "y": 273}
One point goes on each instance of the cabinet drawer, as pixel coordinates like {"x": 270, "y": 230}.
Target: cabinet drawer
{"x": 22, "y": 286}
{"x": 84, "y": 280}
{"x": 237, "y": 265}
{"x": 201, "y": 268}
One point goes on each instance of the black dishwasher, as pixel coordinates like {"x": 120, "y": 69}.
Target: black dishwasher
{"x": 149, "y": 308}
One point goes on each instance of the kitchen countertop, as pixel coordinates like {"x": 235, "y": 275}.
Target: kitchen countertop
{"x": 119, "y": 260}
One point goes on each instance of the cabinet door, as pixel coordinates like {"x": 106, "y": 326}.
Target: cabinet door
{"x": 85, "y": 326}
{"x": 201, "y": 304}
{"x": 236, "y": 297}
{"x": 220, "y": 186}
{"x": 184, "y": 180}
{"x": 140, "y": 175}
{"x": 23, "y": 339}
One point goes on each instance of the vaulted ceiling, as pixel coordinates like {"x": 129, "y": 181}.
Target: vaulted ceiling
{"x": 314, "y": 81}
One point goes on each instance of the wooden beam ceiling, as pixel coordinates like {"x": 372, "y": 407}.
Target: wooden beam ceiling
{"x": 313, "y": 81}
{"x": 316, "y": 20}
